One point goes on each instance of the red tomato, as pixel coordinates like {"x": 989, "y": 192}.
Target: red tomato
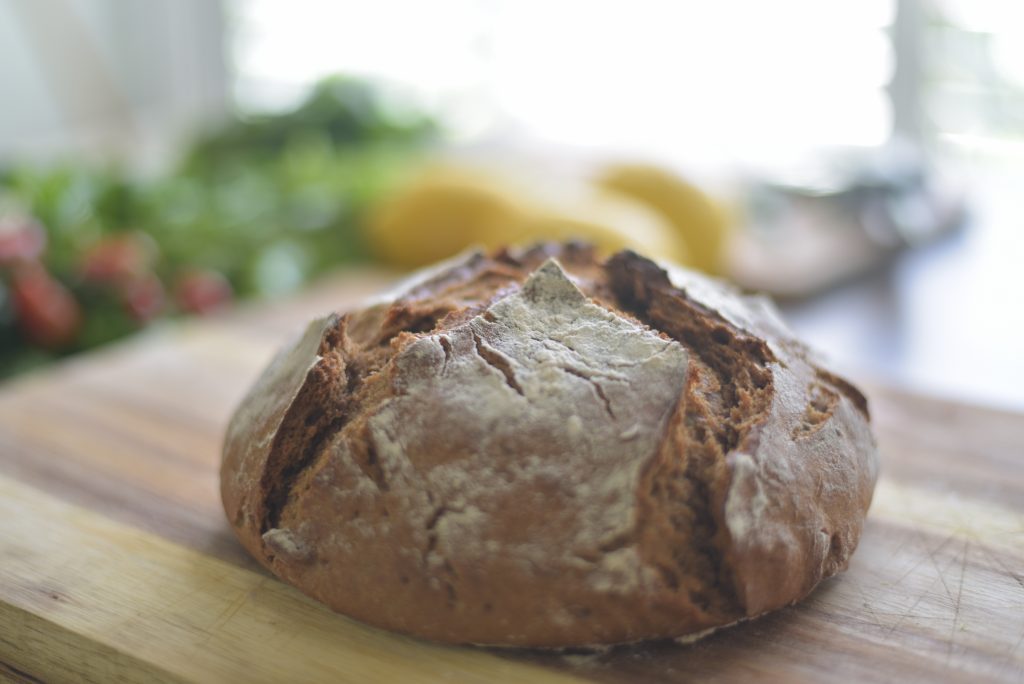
{"x": 202, "y": 291}
{"x": 21, "y": 239}
{"x": 46, "y": 312}
{"x": 143, "y": 298}
{"x": 118, "y": 259}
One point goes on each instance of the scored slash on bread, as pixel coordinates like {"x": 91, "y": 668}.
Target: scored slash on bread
{"x": 537, "y": 448}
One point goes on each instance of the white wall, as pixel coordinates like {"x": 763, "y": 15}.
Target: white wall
{"x": 126, "y": 79}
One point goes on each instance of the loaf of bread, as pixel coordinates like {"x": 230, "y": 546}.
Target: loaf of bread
{"x": 538, "y": 448}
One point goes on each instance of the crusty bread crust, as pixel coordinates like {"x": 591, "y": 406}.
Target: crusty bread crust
{"x": 536, "y": 448}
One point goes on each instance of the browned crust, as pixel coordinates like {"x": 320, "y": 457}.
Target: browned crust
{"x": 757, "y": 490}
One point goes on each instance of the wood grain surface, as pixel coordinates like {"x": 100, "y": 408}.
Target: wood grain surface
{"x": 116, "y": 562}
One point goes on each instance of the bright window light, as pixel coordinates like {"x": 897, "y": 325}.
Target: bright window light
{"x": 735, "y": 80}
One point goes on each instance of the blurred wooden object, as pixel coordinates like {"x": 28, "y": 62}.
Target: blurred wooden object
{"x": 118, "y": 565}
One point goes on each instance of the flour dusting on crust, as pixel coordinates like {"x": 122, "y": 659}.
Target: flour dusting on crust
{"x": 535, "y": 362}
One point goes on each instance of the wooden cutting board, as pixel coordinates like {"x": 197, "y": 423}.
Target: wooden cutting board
{"x": 116, "y": 563}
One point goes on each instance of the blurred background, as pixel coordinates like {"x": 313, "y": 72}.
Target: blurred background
{"x": 859, "y": 160}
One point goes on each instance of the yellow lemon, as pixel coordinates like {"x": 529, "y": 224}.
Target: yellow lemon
{"x": 439, "y": 214}
{"x": 698, "y": 220}
{"x": 447, "y": 209}
{"x": 610, "y": 223}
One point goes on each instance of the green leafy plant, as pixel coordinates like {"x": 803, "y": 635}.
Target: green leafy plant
{"x": 258, "y": 208}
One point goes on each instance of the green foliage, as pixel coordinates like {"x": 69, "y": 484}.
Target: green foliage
{"x": 269, "y": 201}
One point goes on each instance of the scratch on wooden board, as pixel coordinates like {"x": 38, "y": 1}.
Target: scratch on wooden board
{"x": 907, "y": 537}
{"x": 235, "y": 606}
{"x": 1016, "y": 578}
{"x": 959, "y": 596}
{"x": 922, "y": 559}
{"x": 231, "y": 610}
{"x": 1010, "y": 573}
{"x": 867, "y": 604}
{"x": 942, "y": 578}
{"x": 909, "y": 612}
{"x": 921, "y": 596}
